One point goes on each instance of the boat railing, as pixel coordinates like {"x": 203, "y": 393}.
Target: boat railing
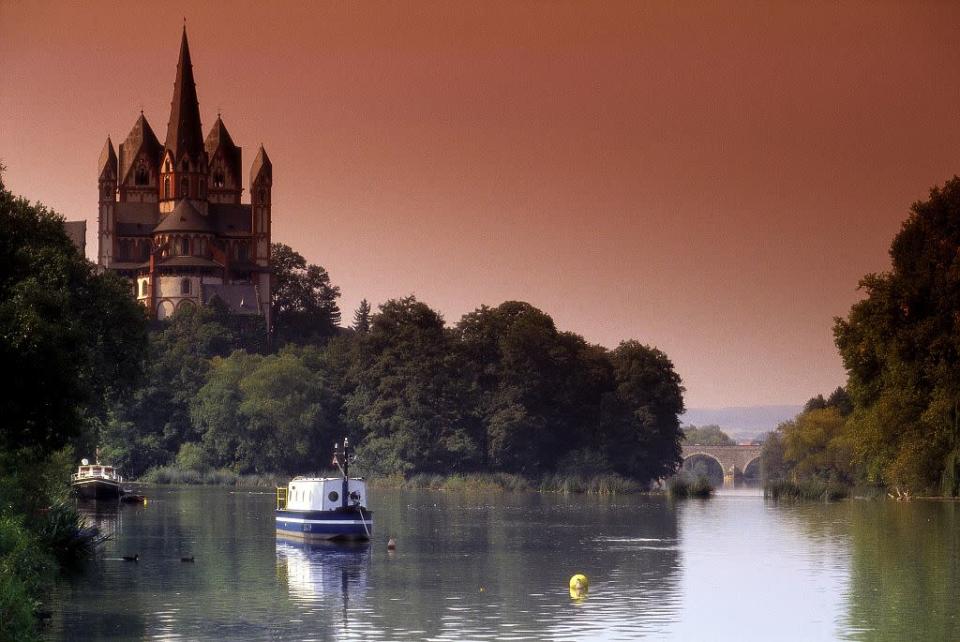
{"x": 281, "y": 497}
{"x": 112, "y": 475}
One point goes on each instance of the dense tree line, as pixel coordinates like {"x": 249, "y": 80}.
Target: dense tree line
{"x": 502, "y": 390}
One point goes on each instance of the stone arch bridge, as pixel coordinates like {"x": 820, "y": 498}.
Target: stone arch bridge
{"x": 734, "y": 460}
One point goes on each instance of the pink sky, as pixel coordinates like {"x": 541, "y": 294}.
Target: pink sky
{"x": 709, "y": 178}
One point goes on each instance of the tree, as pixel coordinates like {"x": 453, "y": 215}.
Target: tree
{"x": 816, "y": 446}
{"x": 711, "y": 435}
{"x": 900, "y": 346}
{"x": 70, "y": 339}
{"x": 361, "y": 318}
{"x": 643, "y": 436}
{"x": 410, "y": 403}
{"x": 266, "y": 414}
{"x": 148, "y": 427}
{"x": 303, "y": 300}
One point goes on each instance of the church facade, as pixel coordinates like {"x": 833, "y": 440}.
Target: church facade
{"x": 171, "y": 217}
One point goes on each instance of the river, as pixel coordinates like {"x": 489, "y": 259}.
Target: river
{"x": 496, "y": 567}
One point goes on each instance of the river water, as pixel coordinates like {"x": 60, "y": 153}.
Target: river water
{"x": 496, "y": 567}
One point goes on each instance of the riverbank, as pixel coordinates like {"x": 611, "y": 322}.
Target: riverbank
{"x": 607, "y": 484}
{"x": 41, "y": 535}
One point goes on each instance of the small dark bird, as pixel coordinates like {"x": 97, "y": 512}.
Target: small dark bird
{"x": 391, "y": 545}
{"x": 131, "y": 558}
{"x": 186, "y": 559}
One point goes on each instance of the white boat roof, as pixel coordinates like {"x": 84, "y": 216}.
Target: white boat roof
{"x": 323, "y": 479}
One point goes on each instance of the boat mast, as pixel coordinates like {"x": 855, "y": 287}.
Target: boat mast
{"x": 341, "y": 457}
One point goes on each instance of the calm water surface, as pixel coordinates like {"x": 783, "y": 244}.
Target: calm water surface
{"x": 496, "y": 567}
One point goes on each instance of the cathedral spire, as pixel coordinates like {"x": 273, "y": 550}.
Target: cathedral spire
{"x": 183, "y": 131}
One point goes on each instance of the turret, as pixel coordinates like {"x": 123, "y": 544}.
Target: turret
{"x": 140, "y": 154}
{"x": 261, "y": 183}
{"x": 107, "y": 187}
{"x": 224, "y": 157}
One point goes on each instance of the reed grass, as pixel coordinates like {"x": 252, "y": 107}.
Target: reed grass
{"x": 607, "y": 484}
{"x": 807, "y": 490}
{"x": 172, "y": 475}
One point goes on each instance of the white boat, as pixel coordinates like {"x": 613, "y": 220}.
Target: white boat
{"x": 325, "y": 508}
{"x": 96, "y": 481}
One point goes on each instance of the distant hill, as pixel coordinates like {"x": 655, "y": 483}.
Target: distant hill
{"x": 743, "y": 423}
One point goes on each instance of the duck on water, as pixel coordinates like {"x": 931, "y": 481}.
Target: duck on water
{"x": 325, "y": 508}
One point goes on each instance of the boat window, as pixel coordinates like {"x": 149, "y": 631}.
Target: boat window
{"x": 333, "y": 496}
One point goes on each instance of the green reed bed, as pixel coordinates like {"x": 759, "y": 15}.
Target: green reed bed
{"x": 171, "y": 475}
{"x": 608, "y": 484}
{"x": 807, "y": 490}
{"x": 684, "y": 486}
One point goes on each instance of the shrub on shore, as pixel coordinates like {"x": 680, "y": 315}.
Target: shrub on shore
{"x": 808, "y": 490}
{"x": 683, "y": 486}
{"x": 25, "y": 570}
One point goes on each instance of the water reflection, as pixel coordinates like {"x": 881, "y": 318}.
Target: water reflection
{"x": 318, "y": 576}
{"x": 497, "y": 568}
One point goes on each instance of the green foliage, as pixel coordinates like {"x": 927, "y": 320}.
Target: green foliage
{"x": 711, "y": 435}
{"x": 148, "y": 428}
{"x": 73, "y": 338}
{"x": 266, "y": 414}
{"x": 900, "y": 346}
{"x": 816, "y": 445}
{"x": 303, "y": 300}
{"x": 25, "y": 570}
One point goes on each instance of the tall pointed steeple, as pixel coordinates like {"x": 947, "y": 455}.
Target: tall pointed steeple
{"x": 183, "y": 131}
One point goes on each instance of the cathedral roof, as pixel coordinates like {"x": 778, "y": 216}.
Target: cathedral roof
{"x": 185, "y": 218}
{"x": 241, "y": 298}
{"x": 219, "y": 138}
{"x": 183, "y": 131}
{"x": 140, "y": 137}
{"x": 108, "y": 158}
{"x": 261, "y": 164}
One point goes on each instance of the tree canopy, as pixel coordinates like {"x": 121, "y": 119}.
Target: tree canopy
{"x": 70, "y": 339}
{"x": 303, "y": 299}
{"x": 900, "y": 346}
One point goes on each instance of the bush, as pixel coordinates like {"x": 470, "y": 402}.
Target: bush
{"x": 25, "y": 570}
{"x": 64, "y": 532}
{"x": 682, "y": 486}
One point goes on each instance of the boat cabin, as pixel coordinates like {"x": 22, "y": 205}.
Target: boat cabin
{"x": 322, "y": 493}
{"x": 96, "y": 471}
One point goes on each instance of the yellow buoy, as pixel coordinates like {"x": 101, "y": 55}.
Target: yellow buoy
{"x": 579, "y": 583}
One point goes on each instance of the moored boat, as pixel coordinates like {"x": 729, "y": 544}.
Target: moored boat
{"x": 325, "y": 508}
{"x": 96, "y": 481}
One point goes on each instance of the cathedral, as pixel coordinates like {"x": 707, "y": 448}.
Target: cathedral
{"x": 171, "y": 217}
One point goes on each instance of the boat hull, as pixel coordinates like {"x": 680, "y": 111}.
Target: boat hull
{"x": 324, "y": 525}
{"x": 96, "y": 489}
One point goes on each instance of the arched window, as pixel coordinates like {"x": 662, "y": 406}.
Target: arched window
{"x": 262, "y": 196}
{"x": 185, "y": 286}
{"x": 218, "y": 178}
{"x": 184, "y": 187}
{"x": 143, "y": 288}
{"x": 166, "y": 187}
{"x": 185, "y": 246}
{"x": 142, "y": 177}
